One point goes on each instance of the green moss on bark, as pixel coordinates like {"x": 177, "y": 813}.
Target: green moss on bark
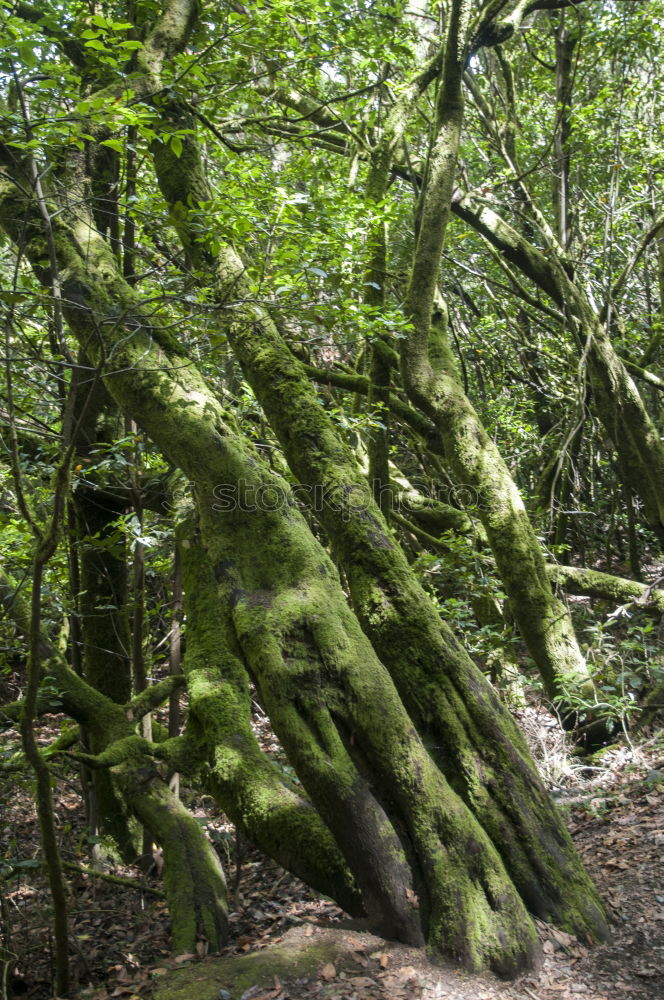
{"x": 194, "y": 882}
{"x": 463, "y": 723}
{"x": 248, "y": 786}
{"x": 330, "y": 699}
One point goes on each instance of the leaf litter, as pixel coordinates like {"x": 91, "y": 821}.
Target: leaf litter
{"x": 120, "y": 946}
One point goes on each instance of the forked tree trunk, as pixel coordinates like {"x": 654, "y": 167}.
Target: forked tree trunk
{"x": 401, "y": 826}
{"x": 464, "y": 725}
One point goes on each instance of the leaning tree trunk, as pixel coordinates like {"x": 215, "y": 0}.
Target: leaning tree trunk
{"x": 543, "y": 620}
{"x": 615, "y": 395}
{"x": 259, "y": 799}
{"x": 464, "y": 725}
{"x": 403, "y": 830}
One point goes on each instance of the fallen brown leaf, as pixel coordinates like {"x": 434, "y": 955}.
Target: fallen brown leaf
{"x": 328, "y": 972}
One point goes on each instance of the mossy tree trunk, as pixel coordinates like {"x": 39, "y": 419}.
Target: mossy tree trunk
{"x": 403, "y": 830}
{"x": 193, "y": 878}
{"x": 463, "y": 723}
{"x": 543, "y": 620}
{"x": 606, "y": 587}
{"x": 259, "y": 798}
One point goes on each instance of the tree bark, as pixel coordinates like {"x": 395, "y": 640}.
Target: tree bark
{"x": 259, "y": 799}
{"x": 463, "y": 723}
{"x": 330, "y": 700}
{"x": 193, "y": 879}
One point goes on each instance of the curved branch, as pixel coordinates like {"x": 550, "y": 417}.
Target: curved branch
{"x": 644, "y": 242}
{"x": 591, "y": 583}
{"x": 362, "y": 384}
{"x": 154, "y": 696}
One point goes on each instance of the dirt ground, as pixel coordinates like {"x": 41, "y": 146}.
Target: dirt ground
{"x": 288, "y": 943}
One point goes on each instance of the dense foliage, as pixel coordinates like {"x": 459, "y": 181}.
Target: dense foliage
{"x": 411, "y": 252}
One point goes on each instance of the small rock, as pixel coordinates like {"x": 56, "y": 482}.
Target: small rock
{"x": 224, "y": 995}
{"x": 251, "y": 992}
{"x": 655, "y": 776}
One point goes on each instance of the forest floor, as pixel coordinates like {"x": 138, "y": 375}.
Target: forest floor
{"x": 120, "y": 941}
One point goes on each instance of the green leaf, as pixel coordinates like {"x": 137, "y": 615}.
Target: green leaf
{"x": 176, "y": 146}
{"x": 116, "y": 144}
{"x": 27, "y": 53}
